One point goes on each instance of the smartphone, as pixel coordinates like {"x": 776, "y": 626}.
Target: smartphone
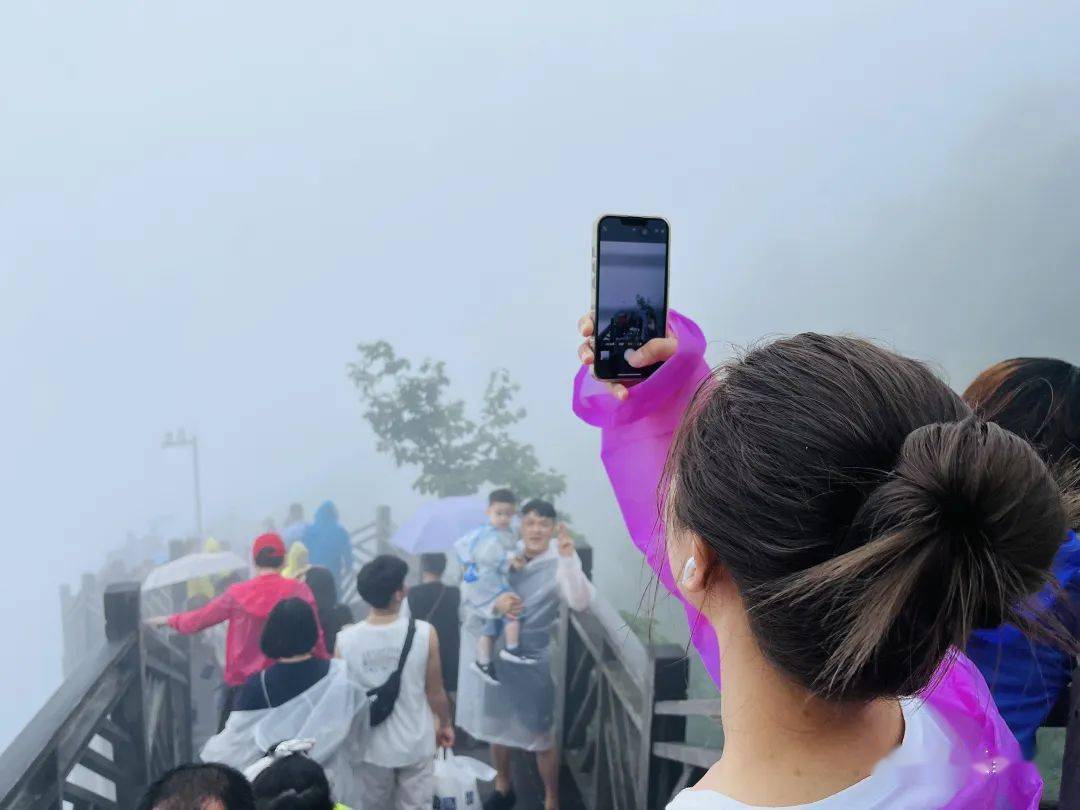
{"x": 630, "y": 291}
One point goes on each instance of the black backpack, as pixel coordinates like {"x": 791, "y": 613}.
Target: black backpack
{"x": 384, "y": 696}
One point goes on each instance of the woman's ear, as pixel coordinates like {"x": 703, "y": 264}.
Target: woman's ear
{"x": 696, "y": 570}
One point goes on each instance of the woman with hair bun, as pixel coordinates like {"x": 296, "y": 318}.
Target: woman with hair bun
{"x": 1038, "y": 399}
{"x": 836, "y": 522}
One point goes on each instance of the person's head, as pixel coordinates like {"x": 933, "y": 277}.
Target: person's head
{"x": 290, "y": 630}
{"x": 840, "y": 502}
{"x": 381, "y": 582}
{"x": 326, "y": 513}
{"x": 433, "y": 564}
{"x": 537, "y": 526}
{"x": 268, "y": 551}
{"x": 1037, "y": 398}
{"x": 199, "y": 787}
{"x": 323, "y": 587}
{"x": 295, "y": 782}
{"x": 502, "y": 504}
{"x": 296, "y": 514}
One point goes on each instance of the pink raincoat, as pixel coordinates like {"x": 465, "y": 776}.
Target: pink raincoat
{"x": 635, "y": 436}
{"x": 245, "y": 606}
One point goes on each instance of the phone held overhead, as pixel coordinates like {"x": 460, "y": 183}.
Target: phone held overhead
{"x": 630, "y": 291}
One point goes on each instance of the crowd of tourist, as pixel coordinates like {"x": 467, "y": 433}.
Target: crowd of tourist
{"x": 888, "y": 569}
{"x": 367, "y": 703}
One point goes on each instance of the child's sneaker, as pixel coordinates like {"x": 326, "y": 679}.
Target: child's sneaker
{"x": 486, "y": 672}
{"x": 519, "y": 656}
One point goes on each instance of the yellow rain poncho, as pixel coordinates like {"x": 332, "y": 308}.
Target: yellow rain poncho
{"x": 204, "y": 586}
{"x": 296, "y": 562}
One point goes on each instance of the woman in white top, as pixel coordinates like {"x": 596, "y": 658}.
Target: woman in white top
{"x": 836, "y": 522}
{"x": 395, "y": 768}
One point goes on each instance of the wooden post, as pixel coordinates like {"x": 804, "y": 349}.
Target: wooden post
{"x": 88, "y": 637}
{"x": 129, "y": 717}
{"x": 382, "y": 530}
{"x": 671, "y": 673}
{"x": 1070, "y": 764}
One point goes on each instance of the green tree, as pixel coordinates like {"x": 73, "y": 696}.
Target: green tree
{"x": 418, "y": 424}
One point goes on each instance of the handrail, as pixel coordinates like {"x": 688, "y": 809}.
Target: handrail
{"x": 58, "y": 729}
{"x": 95, "y": 743}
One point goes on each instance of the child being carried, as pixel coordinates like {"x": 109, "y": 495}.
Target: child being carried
{"x": 487, "y": 555}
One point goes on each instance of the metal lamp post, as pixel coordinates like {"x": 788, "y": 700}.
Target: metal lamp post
{"x": 181, "y": 439}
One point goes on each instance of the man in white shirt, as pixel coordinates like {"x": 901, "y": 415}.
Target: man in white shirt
{"x": 396, "y": 767}
{"x": 519, "y": 712}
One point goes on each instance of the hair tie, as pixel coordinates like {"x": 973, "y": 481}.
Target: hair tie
{"x": 285, "y": 748}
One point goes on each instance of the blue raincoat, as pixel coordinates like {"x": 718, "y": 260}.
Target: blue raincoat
{"x": 1027, "y": 678}
{"x": 328, "y": 543}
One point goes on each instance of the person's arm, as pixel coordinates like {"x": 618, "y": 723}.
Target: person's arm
{"x": 574, "y": 586}
{"x": 637, "y": 427}
{"x": 436, "y": 694}
{"x": 213, "y": 612}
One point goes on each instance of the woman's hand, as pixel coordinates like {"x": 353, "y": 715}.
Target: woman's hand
{"x": 656, "y": 350}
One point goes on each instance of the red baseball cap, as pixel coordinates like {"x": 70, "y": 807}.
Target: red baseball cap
{"x": 268, "y": 541}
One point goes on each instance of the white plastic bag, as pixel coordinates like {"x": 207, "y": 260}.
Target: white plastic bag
{"x": 455, "y": 781}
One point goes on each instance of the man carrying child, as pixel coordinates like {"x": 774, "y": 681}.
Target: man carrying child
{"x": 487, "y": 556}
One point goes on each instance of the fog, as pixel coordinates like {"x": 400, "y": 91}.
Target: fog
{"x": 204, "y": 207}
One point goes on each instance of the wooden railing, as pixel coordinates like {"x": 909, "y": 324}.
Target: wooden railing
{"x": 622, "y": 711}
{"x": 120, "y": 718}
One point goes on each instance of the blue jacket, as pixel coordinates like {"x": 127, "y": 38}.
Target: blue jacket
{"x": 1026, "y": 678}
{"x": 328, "y": 543}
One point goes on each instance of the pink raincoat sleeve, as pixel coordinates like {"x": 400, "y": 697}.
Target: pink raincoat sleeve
{"x": 213, "y": 612}
{"x": 635, "y": 437}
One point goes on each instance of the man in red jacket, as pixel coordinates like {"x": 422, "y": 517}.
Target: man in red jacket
{"x": 245, "y": 606}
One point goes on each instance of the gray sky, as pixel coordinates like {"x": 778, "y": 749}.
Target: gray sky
{"x": 204, "y": 206}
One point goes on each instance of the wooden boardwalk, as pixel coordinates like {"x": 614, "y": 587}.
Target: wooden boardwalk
{"x": 527, "y": 784}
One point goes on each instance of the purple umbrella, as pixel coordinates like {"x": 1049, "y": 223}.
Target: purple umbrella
{"x": 437, "y": 524}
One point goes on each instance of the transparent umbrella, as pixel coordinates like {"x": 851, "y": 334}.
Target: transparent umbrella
{"x": 193, "y": 566}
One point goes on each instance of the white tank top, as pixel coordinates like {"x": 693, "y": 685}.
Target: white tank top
{"x": 407, "y": 736}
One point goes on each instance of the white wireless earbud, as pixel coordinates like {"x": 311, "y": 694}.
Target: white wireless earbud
{"x": 689, "y": 569}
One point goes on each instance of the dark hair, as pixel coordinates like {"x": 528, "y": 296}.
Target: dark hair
{"x": 433, "y": 563}
{"x": 268, "y": 558}
{"x": 1037, "y": 398}
{"x": 540, "y": 507}
{"x": 192, "y": 785}
{"x": 290, "y": 629}
{"x": 380, "y": 579}
{"x": 323, "y": 587}
{"x": 295, "y": 782}
{"x": 502, "y": 496}
{"x": 867, "y": 519}
{"x": 332, "y": 614}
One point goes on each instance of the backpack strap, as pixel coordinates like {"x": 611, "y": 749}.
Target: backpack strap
{"x": 408, "y": 644}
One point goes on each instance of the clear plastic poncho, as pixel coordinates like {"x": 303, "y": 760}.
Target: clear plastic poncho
{"x": 332, "y": 712}
{"x": 520, "y": 712}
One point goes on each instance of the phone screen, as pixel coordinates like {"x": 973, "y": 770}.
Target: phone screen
{"x": 631, "y": 291}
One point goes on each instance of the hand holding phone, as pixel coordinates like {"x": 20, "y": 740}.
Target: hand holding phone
{"x": 655, "y": 352}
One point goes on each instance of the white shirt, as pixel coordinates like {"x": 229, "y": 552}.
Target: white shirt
{"x": 407, "y": 736}
{"x": 915, "y": 776}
